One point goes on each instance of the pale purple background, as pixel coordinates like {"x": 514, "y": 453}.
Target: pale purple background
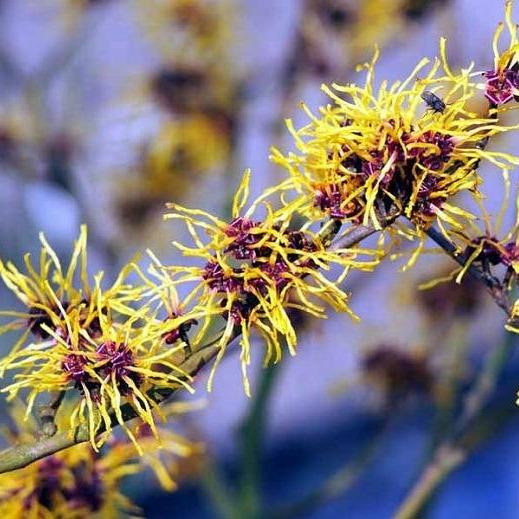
{"x": 106, "y": 71}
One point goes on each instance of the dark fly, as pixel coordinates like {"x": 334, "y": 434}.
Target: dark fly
{"x": 435, "y": 103}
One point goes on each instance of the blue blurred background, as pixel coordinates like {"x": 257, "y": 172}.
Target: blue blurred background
{"x": 109, "y": 108}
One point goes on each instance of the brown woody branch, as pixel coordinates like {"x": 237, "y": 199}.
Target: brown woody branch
{"x": 493, "y": 285}
{"x": 22, "y": 455}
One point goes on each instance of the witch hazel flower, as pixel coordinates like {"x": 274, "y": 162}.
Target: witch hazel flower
{"x": 502, "y": 82}
{"x": 371, "y": 151}
{"x": 250, "y": 268}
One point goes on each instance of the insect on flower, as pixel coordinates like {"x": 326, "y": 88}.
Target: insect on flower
{"x": 434, "y": 103}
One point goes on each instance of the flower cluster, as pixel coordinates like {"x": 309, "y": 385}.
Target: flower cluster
{"x": 376, "y": 152}
{"x": 183, "y": 151}
{"x": 197, "y": 93}
{"x": 405, "y": 150}
{"x": 251, "y": 269}
{"x": 89, "y": 342}
{"x": 398, "y": 372}
{"x": 196, "y": 29}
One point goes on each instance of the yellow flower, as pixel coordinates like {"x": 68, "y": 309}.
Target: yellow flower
{"x": 182, "y": 153}
{"x": 251, "y": 266}
{"x": 80, "y": 482}
{"x": 192, "y": 145}
{"x": 53, "y": 295}
{"x": 502, "y": 82}
{"x": 397, "y": 372}
{"x": 399, "y": 148}
{"x": 125, "y": 363}
{"x": 73, "y": 484}
{"x": 355, "y": 25}
{"x": 188, "y": 30}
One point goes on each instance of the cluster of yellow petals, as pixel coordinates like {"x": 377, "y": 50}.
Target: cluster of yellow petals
{"x": 254, "y": 271}
{"x": 183, "y": 151}
{"x": 406, "y": 149}
{"x": 90, "y": 343}
{"x": 60, "y": 298}
{"x": 189, "y": 30}
{"x": 386, "y": 147}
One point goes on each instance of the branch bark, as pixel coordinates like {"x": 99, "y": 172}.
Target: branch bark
{"x": 446, "y": 460}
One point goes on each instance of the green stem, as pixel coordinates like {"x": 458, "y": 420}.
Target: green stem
{"x": 447, "y": 459}
{"x": 456, "y": 342}
{"x": 477, "y": 398}
{"x": 251, "y": 436}
{"x": 216, "y": 489}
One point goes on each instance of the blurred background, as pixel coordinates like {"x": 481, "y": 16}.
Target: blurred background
{"x": 110, "y": 108}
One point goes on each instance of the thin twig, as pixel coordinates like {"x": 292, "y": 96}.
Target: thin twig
{"x": 446, "y": 460}
{"x": 220, "y": 495}
{"x": 453, "y": 452}
{"x": 477, "y": 397}
{"x": 494, "y": 287}
{"x": 251, "y": 436}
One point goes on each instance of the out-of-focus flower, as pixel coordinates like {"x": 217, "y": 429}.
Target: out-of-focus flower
{"x": 79, "y": 481}
{"x": 372, "y": 152}
{"x": 198, "y": 89}
{"x": 199, "y": 74}
{"x": 416, "y": 9}
{"x": 397, "y": 372}
{"x": 75, "y": 483}
{"x": 442, "y": 299}
{"x": 502, "y": 82}
{"x": 392, "y": 374}
{"x": 84, "y": 4}
{"x": 188, "y": 89}
{"x": 20, "y": 137}
{"x": 251, "y": 266}
{"x": 337, "y": 33}
{"x": 183, "y": 151}
{"x": 188, "y": 30}
{"x": 55, "y": 297}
